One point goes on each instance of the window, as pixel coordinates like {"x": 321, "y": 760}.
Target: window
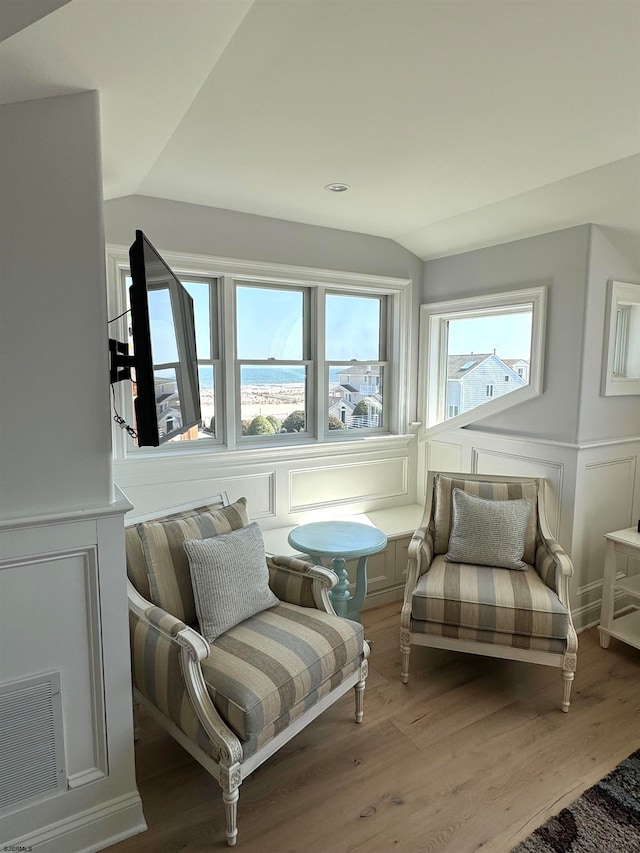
{"x": 204, "y": 293}
{"x": 272, "y": 361}
{"x": 484, "y": 351}
{"x": 295, "y": 356}
{"x": 354, "y": 369}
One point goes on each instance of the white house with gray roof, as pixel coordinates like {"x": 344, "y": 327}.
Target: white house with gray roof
{"x": 476, "y": 378}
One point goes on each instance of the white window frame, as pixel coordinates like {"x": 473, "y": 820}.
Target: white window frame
{"x": 621, "y": 297}
{"x": 434, "y": 317}
{"x": 230, "y": 271}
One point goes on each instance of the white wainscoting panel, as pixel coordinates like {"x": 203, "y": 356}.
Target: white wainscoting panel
{"x": 58, "y": 627}
{"x": 63, "y": 610}
{"x": 444, "y": 456}
{"x": 604, "y": 503}
{"x": 258, "y": 488}
{"x": 486, "y": 461}
{"x": 349, "y": 482}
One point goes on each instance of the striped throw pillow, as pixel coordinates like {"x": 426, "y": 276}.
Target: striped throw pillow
{"x": 488, "y": 533}
{"x": 165, "y": 557}
{"x": 492, "y": 490}
{"x": 230, "y": 579}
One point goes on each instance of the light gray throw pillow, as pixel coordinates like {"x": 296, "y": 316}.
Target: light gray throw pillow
{"x": 488, "y": 533}
{"x": 230, "y": 579}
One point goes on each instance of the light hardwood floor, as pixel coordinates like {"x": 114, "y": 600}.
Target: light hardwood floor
{"x": 472, "y": 754}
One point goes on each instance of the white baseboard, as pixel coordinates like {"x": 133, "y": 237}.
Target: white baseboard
{"x": 88, "y": 831}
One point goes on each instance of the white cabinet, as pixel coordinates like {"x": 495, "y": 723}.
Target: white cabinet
{"x": 627, "y": 627}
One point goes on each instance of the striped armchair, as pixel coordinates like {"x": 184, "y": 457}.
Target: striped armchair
{"x": 234, "y": 702}
{"x": 500, "y": 612}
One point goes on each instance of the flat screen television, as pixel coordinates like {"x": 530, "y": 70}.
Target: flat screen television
{"x": 166, "y": 386}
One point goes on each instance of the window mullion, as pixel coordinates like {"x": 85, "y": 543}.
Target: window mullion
{"x": 230, "y": 412}
{"x": 318, "y": 355}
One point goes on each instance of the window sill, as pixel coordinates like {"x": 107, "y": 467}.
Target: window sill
{"x": 310, "y": 449}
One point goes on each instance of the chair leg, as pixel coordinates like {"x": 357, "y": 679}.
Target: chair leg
{"x": 567, "y": 679}
{"x": 230, "y": 780}
{"x": 359, "y": 691}
{"x": 405, "y": 648}
{"x": 230, "y": 799}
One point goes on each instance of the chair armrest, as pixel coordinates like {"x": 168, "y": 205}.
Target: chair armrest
{"x": 165, "y": 658}
{"x": 554, "y": 566}
{"x": 299, "y": 582}
{"x": 420, "y": 557}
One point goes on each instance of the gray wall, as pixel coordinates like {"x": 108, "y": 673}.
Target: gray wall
{"x": 603, "y": 417}
{"x": 558, "y": 260}
{"x": 172, "y": 225}
{"x": 55, "y": 427}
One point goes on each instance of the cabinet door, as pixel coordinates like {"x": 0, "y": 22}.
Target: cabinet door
{"x": 380, "y": 569}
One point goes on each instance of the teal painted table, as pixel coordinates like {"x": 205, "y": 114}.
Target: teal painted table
{"x": 338, "y": 541}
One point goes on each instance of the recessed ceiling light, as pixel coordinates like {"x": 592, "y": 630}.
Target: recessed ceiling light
{"x": 337, "y": 188}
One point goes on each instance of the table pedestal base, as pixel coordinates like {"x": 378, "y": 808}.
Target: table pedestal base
{"x": 344, "y": 603}
{"x": 335, "y": 542}
{"x": 340, "y": 595}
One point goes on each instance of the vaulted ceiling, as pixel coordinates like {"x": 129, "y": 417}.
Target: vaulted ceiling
{"x": 456, "y": 123}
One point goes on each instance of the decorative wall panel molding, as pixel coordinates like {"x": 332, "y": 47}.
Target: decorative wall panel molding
{"x": 260, "y": 488}
{"x": 312, "y": 488}
{"x": 485, "y": 461}
{"x": 604, "y": 503}
{"x": 64, "y": 610}
{"x": 444, "y": 456}
{"x": 64, "y": 617}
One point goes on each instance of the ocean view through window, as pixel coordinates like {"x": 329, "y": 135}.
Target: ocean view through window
{"x": 283, "y": 362}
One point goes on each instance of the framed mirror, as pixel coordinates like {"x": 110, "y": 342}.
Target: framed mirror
{"x": 621, "y": 363}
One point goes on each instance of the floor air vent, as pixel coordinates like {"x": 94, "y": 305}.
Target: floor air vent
{"x": 31, "y": 740}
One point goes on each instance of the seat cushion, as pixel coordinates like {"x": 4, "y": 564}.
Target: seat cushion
{"x": 491, "y": 638}
{"x": 489, "y": 599}
{"x": 495, "y": 491}
{"x": 277, "y": 663}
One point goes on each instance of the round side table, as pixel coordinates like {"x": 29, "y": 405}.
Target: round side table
{"x": 338, "y": 541}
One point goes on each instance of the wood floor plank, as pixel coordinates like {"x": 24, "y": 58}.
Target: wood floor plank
{"x": 471, "y": 755}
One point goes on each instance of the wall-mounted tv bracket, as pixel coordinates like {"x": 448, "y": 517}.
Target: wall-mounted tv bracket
{"x": 121, "y": 362}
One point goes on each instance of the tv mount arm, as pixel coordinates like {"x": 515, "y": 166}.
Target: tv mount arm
{"x": 120, "y": 362}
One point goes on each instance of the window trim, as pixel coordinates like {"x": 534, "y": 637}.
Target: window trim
{"x": 229, "y": 271}
{"x": 433, "y": 343}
